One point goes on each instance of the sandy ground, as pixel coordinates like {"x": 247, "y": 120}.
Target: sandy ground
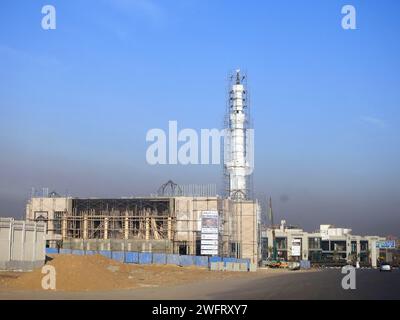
{"x": 98, "y": 273}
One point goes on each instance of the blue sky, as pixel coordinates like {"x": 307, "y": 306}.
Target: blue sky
{"x": 76, "y": 102}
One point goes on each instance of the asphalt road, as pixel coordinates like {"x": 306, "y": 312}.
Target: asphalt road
{"x": 326, "y": 284}
{"x": 370, "y": 284}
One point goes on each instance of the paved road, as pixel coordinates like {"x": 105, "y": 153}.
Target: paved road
{"x": 326, "y": 284}
{"x": 370, "y": 284}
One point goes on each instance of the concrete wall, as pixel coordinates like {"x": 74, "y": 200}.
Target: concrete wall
{"x": 238, "y": 219}
{"x": 244, "y": 228}
{"x": 22, "y": 244}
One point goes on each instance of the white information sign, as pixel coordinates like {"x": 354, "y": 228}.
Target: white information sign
{"x": 209, "y": 232}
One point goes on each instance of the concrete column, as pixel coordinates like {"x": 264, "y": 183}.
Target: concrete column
{"x": 105, "y": 228}
{"x": 35, "y": 234}
{"x": 358, "y": 249}
{"x": 85, "y": 227}
{"x": 304, "y": 248}
{"x": 64, "y": 226}
{"x": 169, "y": 228}
{"x": 147, "y": 228}
{"x": 348, "y": 248}
{"x": 23, "y": 233}
{"x": 289, "y": 246}
{"x": 373, "y": 253}
{"x": 126, "y": 226}
{"x": 10, "y": 239}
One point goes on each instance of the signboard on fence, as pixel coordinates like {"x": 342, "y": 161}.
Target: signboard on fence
{"x": 296, "y": 248}
{"x": 389, "y": 244}
{"x": 209, "y": 233}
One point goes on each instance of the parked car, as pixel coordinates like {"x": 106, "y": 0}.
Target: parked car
{"x": 385, "y": 266}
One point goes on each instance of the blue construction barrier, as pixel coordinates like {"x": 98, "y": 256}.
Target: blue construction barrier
{"x": 186, "y": 260}
{"x": 145, "y": 258}
{"x": 159, "y": 258}
{"x": 247, "y": 261}
{"x": 225, "y": 260}
{"x": 118, "y": 256}
{"x": 173, "y": 259}
{"x": 201, "y": 261}
{"x": 215, "y": 259}
{"x": 132, "y": 257}
{"x": 305, "y": 264}
{"x": 65, "y": 251}
{"x": 105, "y": 253}
{"x": 51, "y": 250}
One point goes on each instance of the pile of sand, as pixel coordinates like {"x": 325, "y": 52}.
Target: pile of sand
{"x": 74, "y": 273}
{"x": 93, "y": 273}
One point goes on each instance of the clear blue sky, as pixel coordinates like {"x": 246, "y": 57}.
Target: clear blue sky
{"x": 76, "y": 102}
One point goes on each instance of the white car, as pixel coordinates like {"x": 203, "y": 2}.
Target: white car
{"x": 385, "y": 267}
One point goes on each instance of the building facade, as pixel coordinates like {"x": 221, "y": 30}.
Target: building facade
{"x": 157, "y": 224}
{"x": 328, "y": 245}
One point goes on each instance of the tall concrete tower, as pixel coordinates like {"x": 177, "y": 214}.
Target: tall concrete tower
{"x": 236, "y": 161}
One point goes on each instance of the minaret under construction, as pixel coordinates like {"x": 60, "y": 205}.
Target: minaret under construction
{"x": 236, "y": 160}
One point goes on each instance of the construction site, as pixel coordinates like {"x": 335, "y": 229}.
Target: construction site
{"x": 175, "y": 220}
{"x": 154, "y": 224}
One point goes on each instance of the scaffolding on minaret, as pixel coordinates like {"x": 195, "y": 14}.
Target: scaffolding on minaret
{"x": 237, "y": 153}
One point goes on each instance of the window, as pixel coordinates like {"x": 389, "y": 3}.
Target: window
{"x": 42, "y": 216}
{"x": 314, "y": 243}
{"x": 338, "y": 245}
{"x": 264, "y": 248}
{"x": 325, "y": 245}
{"x": 58, "y": 215}
{"x": 281, "y": 243}
{"x": 182, "y": 249}
{"x": 235, "y": 249}
{"x": 363, "y": 245}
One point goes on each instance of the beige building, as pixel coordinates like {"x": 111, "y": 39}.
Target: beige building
{"x": 326, "y": 245}
{"x": 157, "y": 224}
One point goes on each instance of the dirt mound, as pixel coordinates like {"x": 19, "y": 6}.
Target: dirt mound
{"x": 76, "y": 273}
{"x": 97, "y": 273}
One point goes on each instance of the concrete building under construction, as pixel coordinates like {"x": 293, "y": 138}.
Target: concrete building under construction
{"x": 156, "y": 224}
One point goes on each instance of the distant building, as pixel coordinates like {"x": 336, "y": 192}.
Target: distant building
{"x": 327, "y": 245}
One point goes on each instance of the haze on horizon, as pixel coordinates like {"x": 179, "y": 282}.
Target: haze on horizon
{"x": 76, "y": 102}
